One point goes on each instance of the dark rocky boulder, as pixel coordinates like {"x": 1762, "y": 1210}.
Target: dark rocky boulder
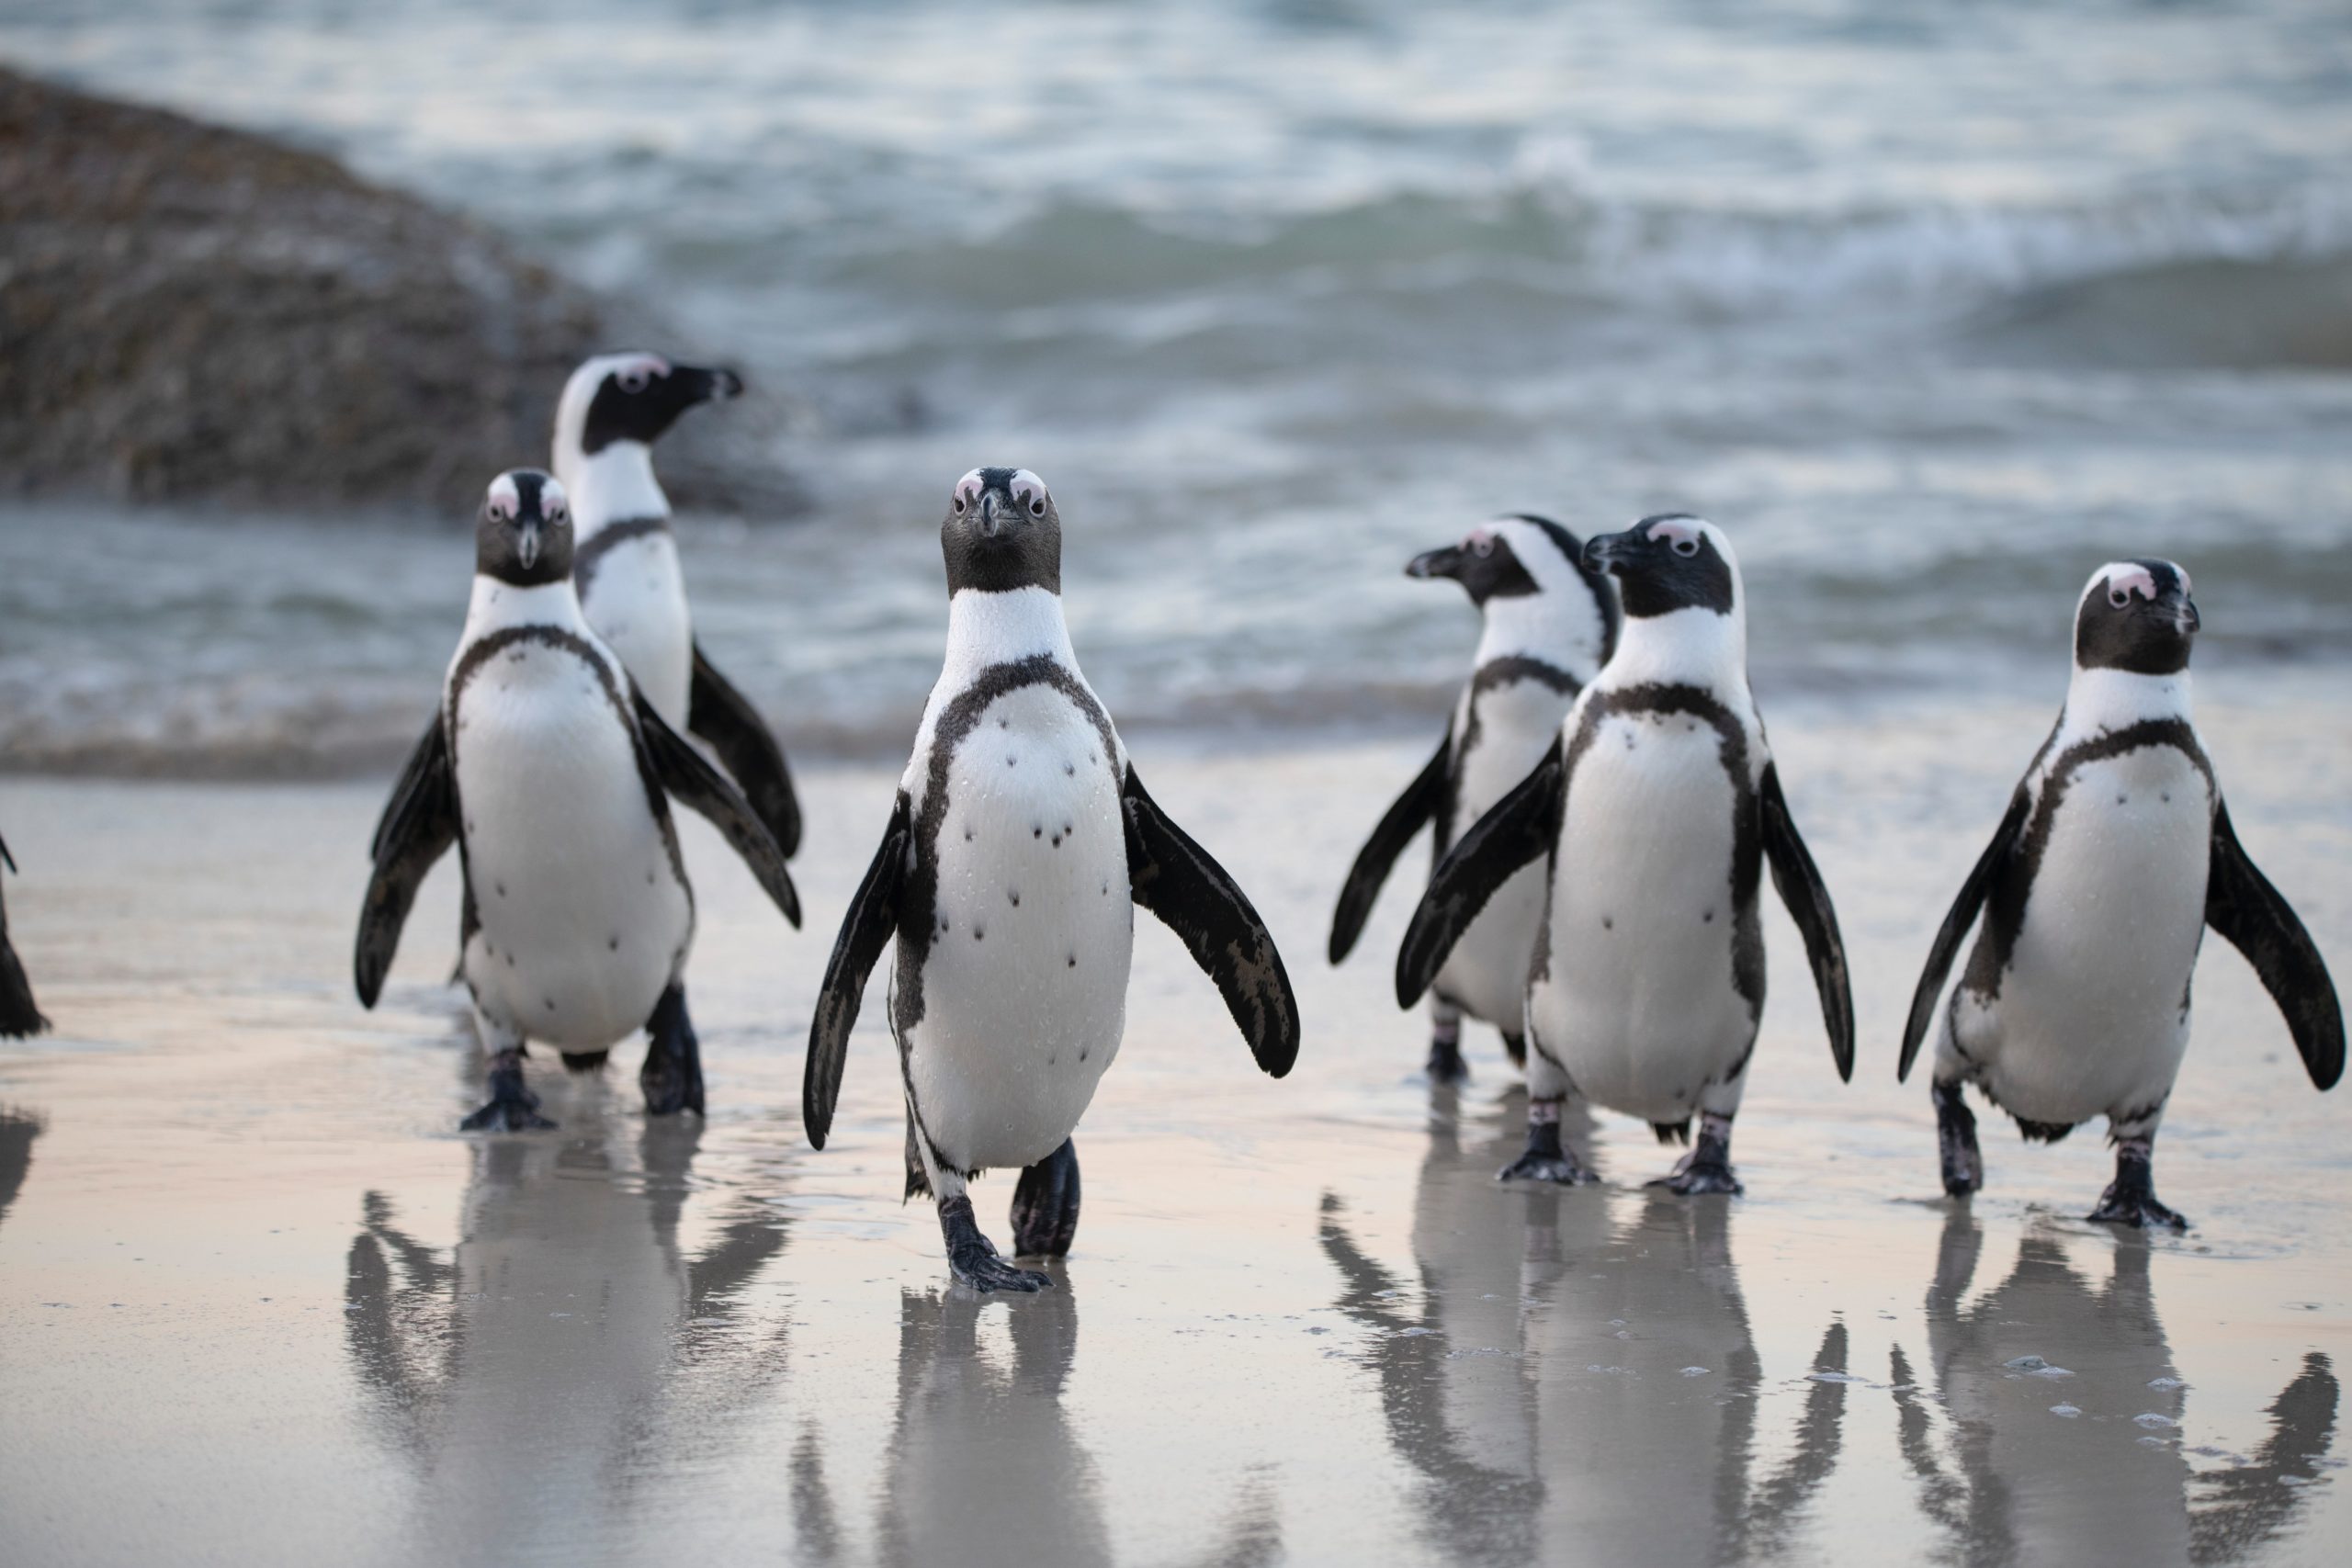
{"x": 190, "y": 313}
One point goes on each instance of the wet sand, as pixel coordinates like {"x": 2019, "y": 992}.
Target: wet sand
{"x": 259, "y": 1302}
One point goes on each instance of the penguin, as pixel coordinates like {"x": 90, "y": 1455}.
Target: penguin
{"x": 18, "y": 1016}
{"x": 624, "y": 564}
{"x": 1654, "y": 811}
{"x": 1020, "y": 838}
{"x": 2115, "y": 854}
{"x": 1550, "y": 621}
{"x": 553, "y": 774}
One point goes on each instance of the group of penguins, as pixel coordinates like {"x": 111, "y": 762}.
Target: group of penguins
{"x": 1602, "y": 806}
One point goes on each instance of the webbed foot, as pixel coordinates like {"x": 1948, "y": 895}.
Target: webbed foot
{"x": 672, "y": 1076}
{"x": 1545, "y": 1158}
{"x": 1956, "y": 1141}
{"x": 1707, "y": 1167}
{"x": 1446, "y": 1064}
{"x": 973, "y": 1257}
{"x": 2131, "y": 1197}
{"x": 1045, "y": 1206}
{"x": 513, "y": 1107}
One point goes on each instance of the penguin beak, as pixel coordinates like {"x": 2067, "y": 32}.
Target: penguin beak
{"x": 706, "y": 384}
{"x": 988, "y": 524}
{"x": 1604, "y": 550}
{"x": 1446, "y": 562}
{"x": 526, "y": 542}
{"x": 2184, "y": 612}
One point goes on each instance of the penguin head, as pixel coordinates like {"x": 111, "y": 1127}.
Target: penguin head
{"x": 523, "y": 532}
{"x": 632, "y": 397}
{"x": 1001, "y": 533}
{"x": 1523, "y": 563}
{"x": 1669, "y": 562}
{"x": 2135, "y": 615}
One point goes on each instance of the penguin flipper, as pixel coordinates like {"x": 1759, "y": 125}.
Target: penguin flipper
{"x": 18, "y": 1016}
{"x": 1417, "y": 805}
{"x": 419, "y": 826}
{"x": 2241, "y": 904}
{"x": 1799, "y": 882}
{"x": 1962, "y": 915}
{"x": 1177, "y": 880}
{"x": 1523, "y": 825}
{"x": 692, "y": 782}
{"x": 747, "y": 749}
{"x": 866, "y": 927}
{"x": 420, "y": 762}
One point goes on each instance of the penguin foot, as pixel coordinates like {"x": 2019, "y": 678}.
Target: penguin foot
{"x": 1695, "y": 1178}
{"x": 1446, "y": 1064}
{"x": 1545, "y": 1158}
{"x": 1956, "y": 1141}
{"x": 1045, "y": 1206}
{"x": 672, "y": 1076}
{"x": 2131, "y": 1197}
{"x": 973, "y": 1257}
{"x": 513, "y": 1107}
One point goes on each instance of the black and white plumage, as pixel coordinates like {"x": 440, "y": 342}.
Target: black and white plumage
{"x": 552, "y": 775}
{"x": 2115, "y": 854}
{"x": 1019, "y": 842}
{"x": 625, "y": 564}
{"x": 18, "y": 1015}
{"x": 1654, "y": 815}
{"x": 1550, "y": 623}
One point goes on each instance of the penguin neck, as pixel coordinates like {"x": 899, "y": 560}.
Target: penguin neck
{"x": 1695, "y": 646}
{"x": 615, "y": 484}
{"x": 497, "y": 606}
{"x": 985, "y": 628}
{"x": 2101, "y": 699}
{"x": 1546, "y": 626}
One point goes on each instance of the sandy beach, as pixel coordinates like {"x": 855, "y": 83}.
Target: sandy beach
{"x": 252, "y": 1276}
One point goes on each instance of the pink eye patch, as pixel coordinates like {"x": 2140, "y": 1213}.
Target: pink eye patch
{"x": 1683, "y": 537}
{"x": 2123, "y": 581}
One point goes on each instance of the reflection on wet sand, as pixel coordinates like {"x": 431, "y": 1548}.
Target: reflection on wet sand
{"x": 2060, "y": 1410}
{"x": 17, "y": 1131}
{"x": 1579, "y": 1369}
{"x": 567, "y": 1352}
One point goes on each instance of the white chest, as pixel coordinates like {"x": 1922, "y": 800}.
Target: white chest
{"x": 634, "y": 595}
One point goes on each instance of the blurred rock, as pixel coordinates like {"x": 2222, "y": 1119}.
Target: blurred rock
{"x": 193, "y": 313}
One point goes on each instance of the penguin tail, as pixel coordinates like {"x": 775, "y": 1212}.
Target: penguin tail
{"x": 1672, "y": 1132}
{"x": 580, "y": 1063}
{"x": 2043, "y": 1131}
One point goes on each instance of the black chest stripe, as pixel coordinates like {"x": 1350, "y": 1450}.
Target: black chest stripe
{"x": 508, "y": 639}
{"x": 2005, "y": 902}
{"x": 1493, "y": 675}
{"x": 918, "y": 909}
{"x": 1746, "y": 843}
{"x": 591, "y": 553}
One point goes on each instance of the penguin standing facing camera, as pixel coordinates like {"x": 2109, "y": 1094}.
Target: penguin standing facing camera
{"x": 624, "y": 564}
{"x": 1654, "y": 814}
{"x": 1550, "y": 621}
{"x": 552, "y": 775}
{"x": 2115, "y": 855}
{"x": 1020, "y": 841}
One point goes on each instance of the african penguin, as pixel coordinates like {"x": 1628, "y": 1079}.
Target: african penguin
{"x": 624, "y": 564}
{"x": 1654, "y": 813}
{"x": 552, "y": 774}
{"x": 1550, "y": 623}
{"x": 2115, "y": 855}
{"x": 18, "y": 1016}
{"x": 1020, "y": 838}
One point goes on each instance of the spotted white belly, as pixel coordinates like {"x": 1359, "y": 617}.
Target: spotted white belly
{"x": 1485, "y": 974}
{"x": 636, "y": 600}
{"x": 1024, "y": 989}
{"x": 1638, "y": 1004}
{"x": 584, "y": 918}
{"x": 2092, "y": 1014}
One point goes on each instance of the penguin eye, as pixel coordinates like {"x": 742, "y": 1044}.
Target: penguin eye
{"x": 1029, "y": 492}
{"x": 2116, "y": 597}
{"x": 1686, "y": 547}
{"x": 630, "y": 380}
{"x": 967, "y": 492}
{"x": 1482, "y": 545}
{"x": 498, "y": 512}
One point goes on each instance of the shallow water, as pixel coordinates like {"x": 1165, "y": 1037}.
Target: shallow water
{"x": 1934, "y": 309}
{"x": 251, "y": 1276}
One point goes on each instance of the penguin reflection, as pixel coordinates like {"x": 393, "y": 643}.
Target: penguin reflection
{"x": 1540, "y": 1388}
{"x": 17, "y": 1131}
{"x": 2017, "y": 1480}
{"x": 535, "y": 1374}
